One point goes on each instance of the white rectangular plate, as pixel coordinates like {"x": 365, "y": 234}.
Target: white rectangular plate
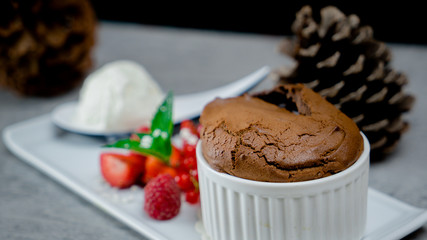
{"x": 73, "y": 160}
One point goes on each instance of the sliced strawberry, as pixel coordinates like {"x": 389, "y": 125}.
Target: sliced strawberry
{"x": 154, "y": 167}
{"x": 169, "y": 170}
{"x": 175, "y": 158}
{"x": 121, "y": 171}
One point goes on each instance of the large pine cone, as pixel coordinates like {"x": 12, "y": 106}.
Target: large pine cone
{"x": 45, "y": 45}
{"x": 344, "y": 63}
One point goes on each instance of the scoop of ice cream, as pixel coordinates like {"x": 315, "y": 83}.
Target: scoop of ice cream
{"x": 120, "y": 96}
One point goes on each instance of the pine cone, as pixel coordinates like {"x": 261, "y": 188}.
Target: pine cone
{"x": 45, "y": 45}
{"x": 344, "y": 63}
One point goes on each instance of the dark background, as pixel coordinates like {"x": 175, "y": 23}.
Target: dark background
{"x": 398, "y": 21}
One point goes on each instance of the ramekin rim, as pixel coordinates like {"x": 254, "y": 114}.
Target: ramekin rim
{"x": 354, "y": 167}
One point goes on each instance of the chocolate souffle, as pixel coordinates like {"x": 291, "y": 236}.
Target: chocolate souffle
{"x": 288, "y": 134}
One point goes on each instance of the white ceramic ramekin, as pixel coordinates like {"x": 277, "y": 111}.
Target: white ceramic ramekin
{"x": 329, "y": 208}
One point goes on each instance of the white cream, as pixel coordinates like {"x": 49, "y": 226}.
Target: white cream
{"x": 120, "y": 96}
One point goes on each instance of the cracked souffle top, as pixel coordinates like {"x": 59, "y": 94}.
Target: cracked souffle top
{"x": 289, "y": 134}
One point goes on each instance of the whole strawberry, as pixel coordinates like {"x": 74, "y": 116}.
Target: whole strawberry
{"x": 162, "y": 197}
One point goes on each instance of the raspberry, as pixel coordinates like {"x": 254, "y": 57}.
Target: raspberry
{"x": 162, "y": 197}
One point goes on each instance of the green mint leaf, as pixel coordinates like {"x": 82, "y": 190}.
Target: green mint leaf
{"x": 158, "y": 142}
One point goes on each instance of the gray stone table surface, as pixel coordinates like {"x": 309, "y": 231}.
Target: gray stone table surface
{"x": 33, "y": 206}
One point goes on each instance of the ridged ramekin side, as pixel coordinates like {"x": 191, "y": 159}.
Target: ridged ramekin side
{"x": 329, "y": 208}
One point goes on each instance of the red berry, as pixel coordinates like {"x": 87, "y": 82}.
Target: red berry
{"x": 143, "y": 129}
{"x": 190, "y": 163}
{"x": 169, "y": 170}
{"x": 199, "y": 129}
{"x": 189, "y": 150}
{"x": 195, "y": 174}
{"x": 134, "y": 137}
{"x": 190, "y": 125}
{"x": 121, "y": 171}
{"x": 175, "y": 158}
{"x": 192, "y": 196}
{"x": 183, "y": 179}
{"x": 162, "y": 197}
{"x": 188, "y": 133}
{"x": 154, "y": 167}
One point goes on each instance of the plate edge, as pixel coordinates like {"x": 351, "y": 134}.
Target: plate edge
{"x": 67, "y": 182}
